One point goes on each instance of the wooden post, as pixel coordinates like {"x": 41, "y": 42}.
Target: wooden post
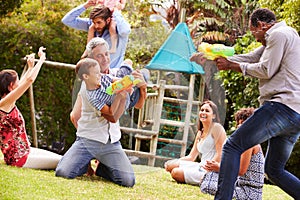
{"x": 156, "y": 125}
{"x": 32, "y": 114}
{"x": 31, "y": 96}
{"x": 188, "y": 115}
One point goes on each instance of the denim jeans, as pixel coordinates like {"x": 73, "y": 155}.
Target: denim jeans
{"x": 114, "y": 164}
{"x": 276, "y": 123}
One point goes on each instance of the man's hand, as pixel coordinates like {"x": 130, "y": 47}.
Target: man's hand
{"x": 224, "y": 64}
{"x": 90, "y": 3}
{"x": 138, "y": 75}
{"x": 198, "y": 58}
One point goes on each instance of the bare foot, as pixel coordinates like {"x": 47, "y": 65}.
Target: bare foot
{"x": 90, "y": 171}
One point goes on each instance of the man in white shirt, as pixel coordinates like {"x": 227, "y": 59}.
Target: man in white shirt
{"x": 98, "y": 136}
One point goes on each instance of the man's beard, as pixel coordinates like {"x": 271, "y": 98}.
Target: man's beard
{"x": 100, "y": 31}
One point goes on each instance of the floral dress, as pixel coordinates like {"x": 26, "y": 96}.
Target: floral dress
{"x": 247, "y": 187}
{"x": 14, "y": 142}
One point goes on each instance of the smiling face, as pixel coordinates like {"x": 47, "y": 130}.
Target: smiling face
{"x": 92, "y": 79}
{"x": 259, "y": 32}
{"x": 101, "y": 24}
{"x": 101, "y": 54}
{"x": 206, "y": 113}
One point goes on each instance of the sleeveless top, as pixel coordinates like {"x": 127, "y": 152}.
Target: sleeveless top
{"x": 207, "y": 147}
{"x": 14, "y": 142}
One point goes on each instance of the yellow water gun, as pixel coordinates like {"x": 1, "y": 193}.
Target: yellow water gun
{"x": 122, "y": 84}
{"x": 212, "y": 51}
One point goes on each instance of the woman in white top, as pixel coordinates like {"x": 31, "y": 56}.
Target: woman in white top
{"x": 208, "y": 145}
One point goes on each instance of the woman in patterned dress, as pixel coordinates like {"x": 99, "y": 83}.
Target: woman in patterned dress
{"x": 251, "y": 175}
{"x": 14, "y": 142}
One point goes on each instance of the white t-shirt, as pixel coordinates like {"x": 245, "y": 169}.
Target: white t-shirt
{"x": 92, "y": 125}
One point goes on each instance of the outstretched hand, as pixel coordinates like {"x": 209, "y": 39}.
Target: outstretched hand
{"x": 41, "y": 53}
{"x": 198, "y": 58}
{"x": 30, "y": 60}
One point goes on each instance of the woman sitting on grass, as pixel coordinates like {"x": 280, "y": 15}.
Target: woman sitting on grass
{"x": 250, "y": 182}
{"x": 207, "y": 145}
{"x": 14, "y": 142}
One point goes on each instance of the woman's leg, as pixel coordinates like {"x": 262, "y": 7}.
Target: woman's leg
{"x": 41, "y": 159}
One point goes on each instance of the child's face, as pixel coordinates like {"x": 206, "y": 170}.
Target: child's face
{"x": 93, "y": 78}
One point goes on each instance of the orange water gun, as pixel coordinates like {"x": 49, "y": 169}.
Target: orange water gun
{"x": 122, "y": 84}
{"x": 212, "y": 51}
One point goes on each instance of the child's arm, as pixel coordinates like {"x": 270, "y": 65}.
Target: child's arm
{"x": 26, "y": 81}
{"x": 89, "y": 37}
{"x": 91, "y": 33}
{"x": 114, "y": 112}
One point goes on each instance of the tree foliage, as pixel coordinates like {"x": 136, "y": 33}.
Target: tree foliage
{"x": 285, "y": 10}
{"x": 8, "y": 6}
{"x": 38, "y": 23}
{"x": 22, "y": 33}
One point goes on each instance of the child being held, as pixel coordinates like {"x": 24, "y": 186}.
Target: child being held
{"x": 96, "y": 83}
{"x": 112, "y": 5}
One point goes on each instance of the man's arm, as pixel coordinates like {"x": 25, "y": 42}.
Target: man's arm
{"x": 73, "y": 20}
{"x": 76, "y": 112}
{"x": 123, "y": 27}
{"x": 142, "y": 87}
{"x": 143, "y": 95}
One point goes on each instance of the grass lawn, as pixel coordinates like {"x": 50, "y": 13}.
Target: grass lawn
{"x": 151, "y": 183}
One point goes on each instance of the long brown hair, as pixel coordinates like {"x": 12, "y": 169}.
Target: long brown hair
{"x": 7, "y": 76}
{"x": 215, "y": 112}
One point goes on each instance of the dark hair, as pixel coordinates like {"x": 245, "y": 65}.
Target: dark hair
{"x": 263, "y": 15}
{"x": 215, "y": 112}
{"x": 7, "y": 76}
{"x": 100, "y": 12}
{"x": 243, "y": 114}
{"x": 83, "y": 66}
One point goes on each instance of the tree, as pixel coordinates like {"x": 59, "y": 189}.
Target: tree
{"x": 8, "y": 6}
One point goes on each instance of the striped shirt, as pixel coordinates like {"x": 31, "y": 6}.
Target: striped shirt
{"x": 98, "y": 98}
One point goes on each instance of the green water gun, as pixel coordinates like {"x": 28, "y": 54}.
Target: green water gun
{"x": 212, "y": 51}
{"x": 122, "y": 84}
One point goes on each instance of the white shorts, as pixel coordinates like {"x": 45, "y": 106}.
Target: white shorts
{"x": 41, "y": 159}
{"x": 193, "y": 172}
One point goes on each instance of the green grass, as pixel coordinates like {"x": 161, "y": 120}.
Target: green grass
{"x": 151, "y": 183}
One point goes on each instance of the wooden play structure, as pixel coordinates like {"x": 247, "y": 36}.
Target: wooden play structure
{"x": 151, "y": 114}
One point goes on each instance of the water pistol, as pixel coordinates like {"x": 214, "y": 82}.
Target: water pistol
{"x": 122, "y": 84}
{"x": 212, "y": 51}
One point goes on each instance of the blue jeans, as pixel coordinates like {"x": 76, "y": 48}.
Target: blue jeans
{"x": 276, "y": 123}
{"x": 114, "y": 164}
